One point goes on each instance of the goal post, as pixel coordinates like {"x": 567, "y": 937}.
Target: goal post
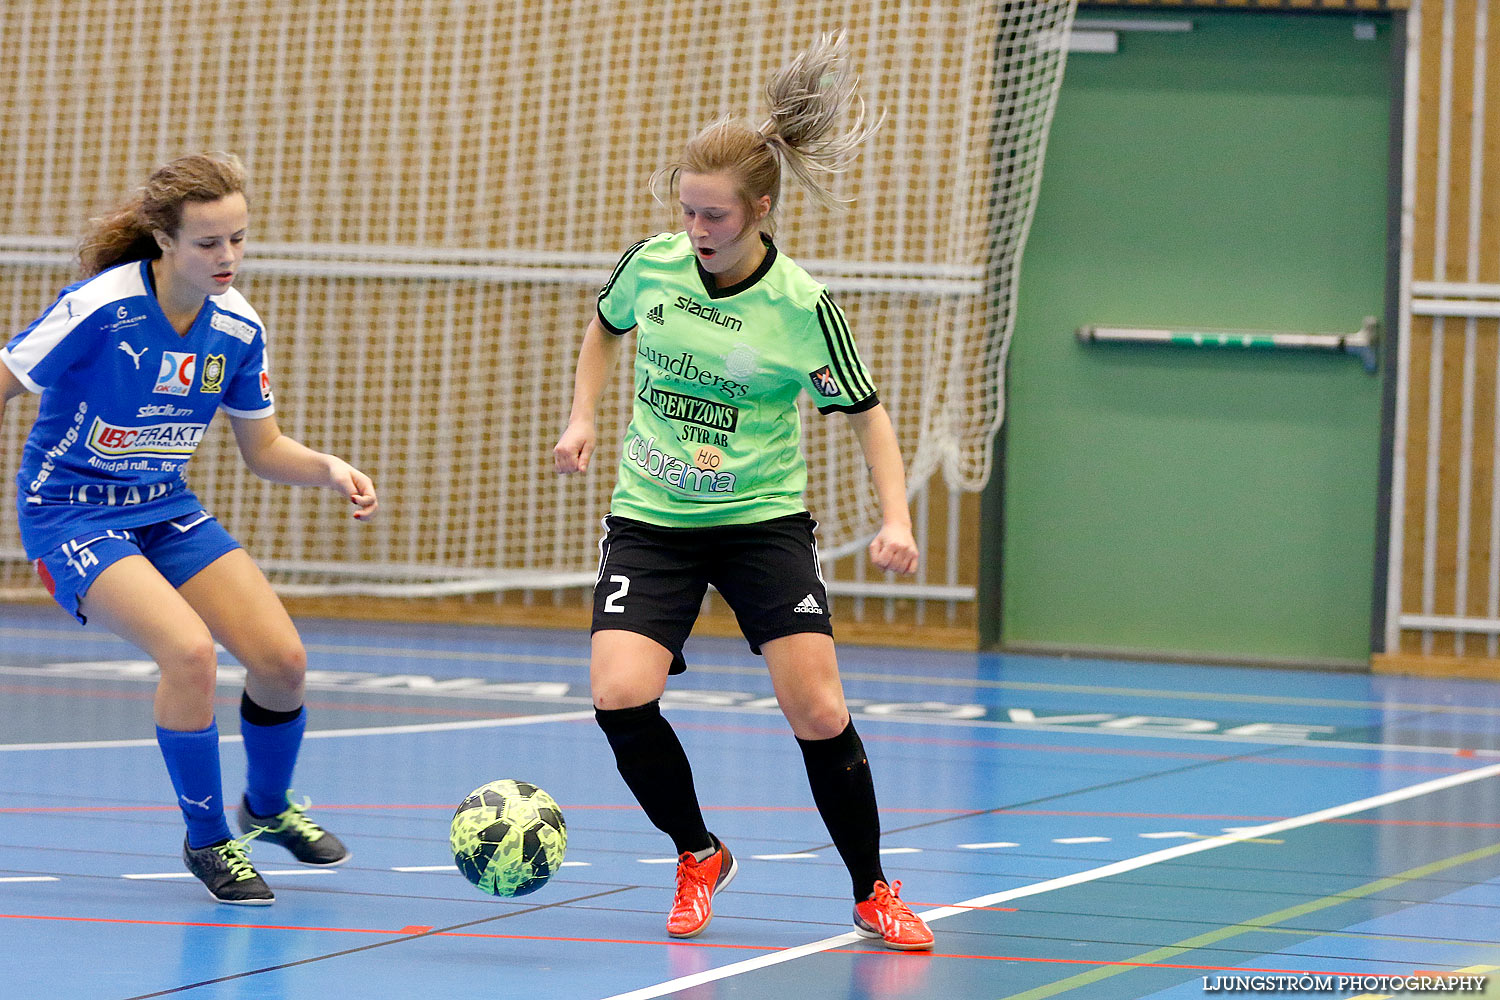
{"x": 437, "y": 192}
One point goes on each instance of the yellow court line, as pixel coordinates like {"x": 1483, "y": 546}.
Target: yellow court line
{"x": 1257, "y": 923}
{"x": 1403, "y": 938}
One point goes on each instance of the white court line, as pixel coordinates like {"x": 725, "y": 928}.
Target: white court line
{"x": 781, "y": 857}
{"x": 68, "y": 636}
{"x": 1078, "y": 878}
{"x": 860, "y": 712}
{"x": 263, "y": 871}
{"x": 327, "y": 734}
{"x": 29, "y": 878}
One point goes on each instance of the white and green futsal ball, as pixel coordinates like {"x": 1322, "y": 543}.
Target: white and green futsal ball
{"x": 508, "y": 837}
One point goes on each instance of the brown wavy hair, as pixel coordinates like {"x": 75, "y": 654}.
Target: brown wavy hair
{"x": 125, "y": 233}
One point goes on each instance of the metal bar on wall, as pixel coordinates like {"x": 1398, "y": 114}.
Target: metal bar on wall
{"x": 1397, "y": 536}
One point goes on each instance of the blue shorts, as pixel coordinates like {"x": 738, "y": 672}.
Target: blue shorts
{"x": 179, "y": 548}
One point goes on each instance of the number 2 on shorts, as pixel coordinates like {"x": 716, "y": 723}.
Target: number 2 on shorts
{"x": 612, "y": 602}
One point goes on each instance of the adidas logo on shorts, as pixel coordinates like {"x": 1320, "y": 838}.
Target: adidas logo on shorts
{"x": 809, "y": 606}
{"x": 655, "y": 315}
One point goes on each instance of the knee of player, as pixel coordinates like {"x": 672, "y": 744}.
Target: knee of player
{"x": 282, "y": 664}
{"x": 611, "y": 698}
{"x": 190, "y": 656}
{"x": 822, "y": 719}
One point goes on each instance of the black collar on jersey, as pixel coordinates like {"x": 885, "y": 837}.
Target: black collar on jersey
{"x": 715, "y": 292}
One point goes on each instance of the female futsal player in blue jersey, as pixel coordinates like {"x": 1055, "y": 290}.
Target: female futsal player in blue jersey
{"x": 131, "y": 363}
{"x": 729, "y": 333}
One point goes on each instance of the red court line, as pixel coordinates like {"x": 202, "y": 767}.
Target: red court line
{"x": 659, "y": 943}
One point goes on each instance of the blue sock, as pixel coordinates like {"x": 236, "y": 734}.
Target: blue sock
{"x": 193, "y": 765}
{"x": 270, "y": 756}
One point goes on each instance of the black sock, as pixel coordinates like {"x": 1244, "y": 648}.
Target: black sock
{"x": 259, "y": 716}
{"x": 655, "y": 767}
{"x": 839, "y": 774}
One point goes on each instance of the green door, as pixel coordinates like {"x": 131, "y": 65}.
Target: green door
{"x": 1199, "y": 502}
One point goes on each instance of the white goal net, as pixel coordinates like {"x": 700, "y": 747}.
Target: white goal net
{"x": 439, "y": 188}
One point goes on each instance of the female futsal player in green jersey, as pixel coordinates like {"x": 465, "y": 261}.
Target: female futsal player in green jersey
{"x": 729, "y": 333}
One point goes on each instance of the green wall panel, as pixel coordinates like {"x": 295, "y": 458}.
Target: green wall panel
{"x": 1182, "y": 501}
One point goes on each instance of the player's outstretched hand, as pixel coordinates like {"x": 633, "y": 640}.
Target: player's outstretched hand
{"x": 357, "y": 487}
{"x": 894, "y": 549}
{"x": 574, "y": 449}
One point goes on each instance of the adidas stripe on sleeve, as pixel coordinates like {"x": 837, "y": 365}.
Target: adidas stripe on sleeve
{"x": 616, "y": 304}
{"x": 844, "y": 385}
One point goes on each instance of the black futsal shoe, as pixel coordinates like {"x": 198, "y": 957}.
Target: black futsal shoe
{"x": 225, "y": 870}
{"x": 308, "y": 842}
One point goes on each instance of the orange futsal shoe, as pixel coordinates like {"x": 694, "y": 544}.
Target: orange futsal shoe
{"x": 884, "y": 916}
{"x": 697, "y": 884}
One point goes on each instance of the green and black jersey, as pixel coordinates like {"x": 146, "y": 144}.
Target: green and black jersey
{"x": 714, "y": 437}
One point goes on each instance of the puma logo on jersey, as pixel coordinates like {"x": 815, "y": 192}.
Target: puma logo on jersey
{"x": 809, "y": 606}
{"x": 655, "y": 315}
{"x": 134, "y": 354}
{"x": 194, "y": 802}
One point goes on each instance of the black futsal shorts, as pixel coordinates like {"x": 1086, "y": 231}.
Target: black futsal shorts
{"x": 652, "y": 579}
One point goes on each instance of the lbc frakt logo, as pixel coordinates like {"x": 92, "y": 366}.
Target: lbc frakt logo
{"x": 175, "y": 377}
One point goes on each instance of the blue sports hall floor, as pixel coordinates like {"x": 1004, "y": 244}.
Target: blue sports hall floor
{"x": 1071, "y": 828}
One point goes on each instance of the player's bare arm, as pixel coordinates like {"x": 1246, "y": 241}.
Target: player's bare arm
{"x": 273, "y": 456}
{"x": 596, "y": 361}
{"x": 894, "y": 548}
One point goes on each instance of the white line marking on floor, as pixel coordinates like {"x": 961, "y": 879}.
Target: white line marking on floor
{"x": 900, "y": 850}
{"x": 263, "y": 871}
{"x": 1080, "y": 840}
{"x": 781, "y": 857}
{"x": 1170, "y": 835}
{"x": 328, "y": 734}
{"x": 656, "y": 861}
{"x": 1077, "y": 878}
{"x": 576, "y": 864}
{"x": 426, "y": 868}
{"x": 29, "y": 878}
{"x": 985, "y": 847}
{"x": 73, "y": 636}
{"x": 766, "y": 707}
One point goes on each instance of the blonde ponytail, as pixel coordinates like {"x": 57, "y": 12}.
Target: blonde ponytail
{"x": 809, "y": 99}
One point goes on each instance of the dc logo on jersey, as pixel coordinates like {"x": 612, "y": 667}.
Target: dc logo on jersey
{"x": 175, "y": 377}
{"x": 213, "y": 374}
{"x": 823, "y": 381}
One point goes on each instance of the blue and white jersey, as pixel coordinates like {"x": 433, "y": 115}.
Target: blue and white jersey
{"x": 125, "y": 402}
